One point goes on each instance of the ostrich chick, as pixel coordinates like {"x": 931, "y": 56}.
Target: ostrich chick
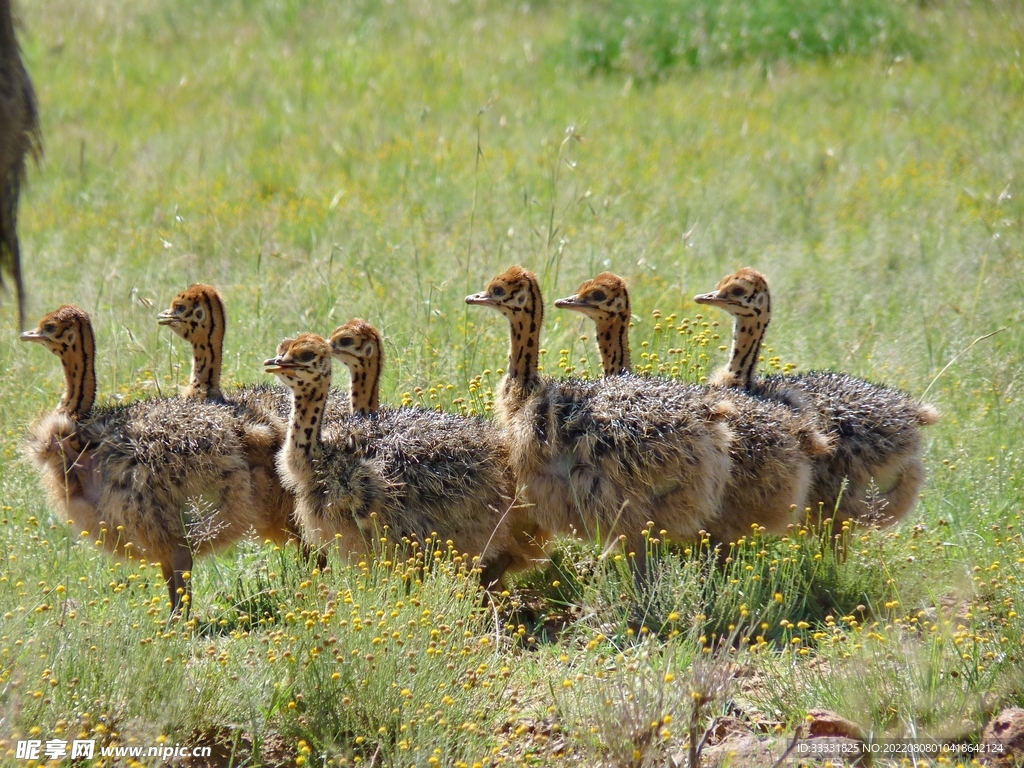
{"x": 877, "y": 430}
{"x": 198, "y": 315}
{"x": 458, "y": 464}
{"x": 603, "y": 458}
{"x": 605, "y": 300}
{"x": 165, "y": 479}
{"x": 406, "y": 473}
{"x": 774, "y": 449}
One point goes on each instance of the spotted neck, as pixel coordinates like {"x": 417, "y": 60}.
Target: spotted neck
{"x": 304, "y": 427}
{"x": 613, "y": 341}
{"x": 364, "y": 395}
{"x": 525, "y": 323}
{"x": 79, "y": 362}
{"x": 208, "y": 353}
{"x": 747, "y": 335}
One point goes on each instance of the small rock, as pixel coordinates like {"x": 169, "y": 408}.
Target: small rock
{"x": 731, "y": 742}
{"x": 827, "y": 737}
{"x": 1007, "y": 731}
{"x": 727, "y": 727}
{"x": 822, "y": 722}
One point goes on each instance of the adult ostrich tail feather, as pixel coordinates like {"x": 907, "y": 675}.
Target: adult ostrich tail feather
{"x": 20, "y": 135}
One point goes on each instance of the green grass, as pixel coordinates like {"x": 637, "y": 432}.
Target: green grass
{"x": 648, "y": 40}
{"x": 319, "y": 161}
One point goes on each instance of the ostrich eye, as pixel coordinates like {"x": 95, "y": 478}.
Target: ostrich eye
{"x": 305, "y": 357}
{"x": 497, "y": 291}
{"x": 598, "y": 296}
{"x": 179, "y": 308}
{"x": 50, "y": 328}
{"x": 737, "y": 291}
{"x": 347, "y": 341}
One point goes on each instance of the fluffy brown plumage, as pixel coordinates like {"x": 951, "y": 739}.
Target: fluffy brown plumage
{"x": 19, "y": 136}
{"x": 417, "y": 472}
{"x": 773, "y": 450}
{"x": 876, "y": 429}
{"x": 167, "y": 477}
{"x": 602, "y": 458}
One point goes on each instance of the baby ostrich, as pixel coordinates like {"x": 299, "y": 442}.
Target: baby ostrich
{"x": 163, "y": 478}
{"x": 408, "y": 470}
{"x": 877, "y": 429}
{"x": 360, "y": 347}
{"x": 605, "y": 300}
{"x": 198, "y": 316}
{"x": 774, "y": 448}
{"x": 604, "y": 458}
{"x": 464, "y": 456}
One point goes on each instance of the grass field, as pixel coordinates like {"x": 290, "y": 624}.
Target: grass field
{"x": 320, "y": 161}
